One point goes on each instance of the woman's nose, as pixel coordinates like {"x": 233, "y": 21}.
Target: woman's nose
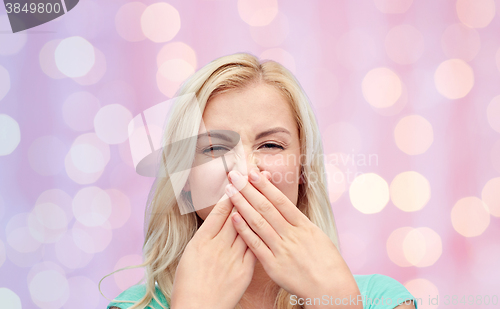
{"x": 252, "y": 162}
{"x": 246, "y": 162}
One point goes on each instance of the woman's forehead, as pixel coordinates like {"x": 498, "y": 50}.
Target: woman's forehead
{"x": 259, "y": 106}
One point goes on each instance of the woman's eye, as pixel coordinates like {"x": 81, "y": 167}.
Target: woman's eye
{"x": 215, "y": 149}
{"x": 272, "y": 145}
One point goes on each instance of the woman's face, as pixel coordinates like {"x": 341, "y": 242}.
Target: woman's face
{"x": 269, "y": 140}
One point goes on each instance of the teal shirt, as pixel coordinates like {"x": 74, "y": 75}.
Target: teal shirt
{"x": 377, "y": 291}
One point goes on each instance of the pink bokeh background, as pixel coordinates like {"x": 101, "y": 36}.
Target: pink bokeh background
{"x": 406, "y": 93}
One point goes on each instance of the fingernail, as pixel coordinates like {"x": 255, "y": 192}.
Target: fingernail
{"x": 237, "y": 179}
{"x": 230, "y": 190}
{"x": 254, "y": 176}
{"x": 237, "y": 217}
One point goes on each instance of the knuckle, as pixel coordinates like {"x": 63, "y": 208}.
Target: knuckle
{"x": 256, "y": 243}
{"x": 259, "y": 223}
{"x": 219, "y": 211}
{"x": 281, "y": 200}
{"x": 264, "y": 207}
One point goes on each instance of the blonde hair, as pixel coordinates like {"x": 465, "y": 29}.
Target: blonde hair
{"x": 168, "y": 232}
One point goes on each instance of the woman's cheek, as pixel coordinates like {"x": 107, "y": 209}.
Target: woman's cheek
{"x": 284, "y": 176}
{"x": 207, "y": 183}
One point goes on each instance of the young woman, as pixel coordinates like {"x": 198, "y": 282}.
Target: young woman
{"x": 242, "y": 218}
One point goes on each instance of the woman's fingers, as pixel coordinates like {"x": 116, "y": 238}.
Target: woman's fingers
{"x": 287, "y": 209}
{"x": 249, "y": 259}
{"x": 228, "y": 233}
{"x": 260, "y": 225}
{"x": 260, "y": 203}
{"x": 216, "y": 218}
{"x": 258, "y": 247}
{"x": 239, "y": 244}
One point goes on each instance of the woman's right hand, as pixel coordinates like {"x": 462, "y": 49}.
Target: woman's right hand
{"x": 216, "y": 266}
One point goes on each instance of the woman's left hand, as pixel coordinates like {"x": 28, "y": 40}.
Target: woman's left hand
{"x": 295, "y": 253}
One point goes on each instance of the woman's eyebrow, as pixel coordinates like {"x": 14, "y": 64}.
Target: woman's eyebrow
{"x": 272, "y": 131}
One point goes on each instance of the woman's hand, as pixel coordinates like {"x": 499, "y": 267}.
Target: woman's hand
{"x": 216, "y": 266}
{"x": 295, "y": 253}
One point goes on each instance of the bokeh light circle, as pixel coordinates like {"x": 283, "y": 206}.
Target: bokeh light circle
{"x": 369, "y": 193}
{"x": 404, "y": 44}
{"x": 176, "y": 50}
{"x": 92, "y": 239}
{"x": 79, "y": 110}
{"x": 381, "y": 87}
{"x": 50, "y": 216}
{"x": 258, "y": 13}
{"x": 394, "y": 246}
{"x": 176, "y": 70}
{"x": 460, "y": 41}
{"x": 160, "y": 22}
{"x": 87, "y": 158}
{"x": 128, "y": 21}
{"x": 413, "y": 134}
{"x": 49, "y": 288}
{"x": 128, "y": 277}
{"x": 470, "y": 216}
{"x": 96, "y": 72}
{"x": 476, "y": 13}
{"x": 111, "y": 123}
{"x": 4, "y": 82}
{"x": 58, "y": 197}
{"x": 175, "y": 54}
{"x": 46, "y": 155}
{"x": 424, "y": 289}
{"x": 491, "y": 196}
{"x": 10, "y": 133}
{"x": 414, "y": 246}
{"x": 454, "y": 78}
{"x": 18, "y": 234}
{"x": 272, "y": 34}
{"x": 393, "y": 6}
{"x": 336, "y": 182}
{"x": 92, "y": 206}
{"x": 493, "y": 113}
{"x": 420, "y": 247}
{"x": 9, "y": 299}
{"x": 69, "y": 254}
{"x": 433, "y": 247}
{"x": 91, "y": 153}
{"x": 82, "y": 293}
{"x": 410, "y": 191}
{"x": 47, "y": 222}
{"x": 74, "y": 56}
{"x": 48, "y": 61}
{"x": 24, "y": 259}
{"x": 281, "y": 56}
{"x": 10, "y": 43}
{"x": 120, "y": 208}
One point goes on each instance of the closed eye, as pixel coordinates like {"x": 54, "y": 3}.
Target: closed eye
{"x": 272, "y": 145}
{"x": 215, "y": 149}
